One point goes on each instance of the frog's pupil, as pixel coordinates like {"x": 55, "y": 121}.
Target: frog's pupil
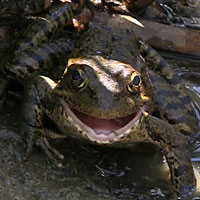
{"x": 76, "y": 75}
{"x": 136, "y": 80}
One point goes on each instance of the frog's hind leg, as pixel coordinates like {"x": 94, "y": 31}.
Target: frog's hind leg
{"x": 169, "y": 91}
{"x": 31, "y": 52}
{"x": 42, "y": 29}
{"x": 159, "y": 64}
{"x": 47, "y": 57}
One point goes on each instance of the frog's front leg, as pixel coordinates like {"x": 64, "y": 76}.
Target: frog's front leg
{"x": 174, "y": 146}
{"x": 38, "y": 89}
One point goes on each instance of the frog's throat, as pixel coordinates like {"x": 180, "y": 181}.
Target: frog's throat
{"x": 103, "y": 130}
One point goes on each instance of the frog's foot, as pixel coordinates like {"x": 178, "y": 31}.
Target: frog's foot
{"x": 34, "y": 135}
{"x": 53, "y": 155}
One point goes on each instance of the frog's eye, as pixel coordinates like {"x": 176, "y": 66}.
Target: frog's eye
{"x": 79, "y": 78}
{"x": 134, "y": 83}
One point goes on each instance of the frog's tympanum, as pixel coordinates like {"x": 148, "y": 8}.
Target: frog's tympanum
{"x": 116, "y": 90}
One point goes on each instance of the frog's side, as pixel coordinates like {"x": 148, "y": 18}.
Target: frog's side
{"x": 109, "y": 95}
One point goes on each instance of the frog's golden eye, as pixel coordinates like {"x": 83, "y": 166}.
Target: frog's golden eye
{"x": 79, "y": 78}
{"x": 134, "y": 83}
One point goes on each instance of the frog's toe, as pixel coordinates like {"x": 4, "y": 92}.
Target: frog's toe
{"x": 28, "y": 151}
{"x": 52, "y": 154}
{"x": 29, "y": 137}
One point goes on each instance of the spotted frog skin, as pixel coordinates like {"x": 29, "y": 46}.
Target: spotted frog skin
{"x": 116, "y": 90}
{"x": 35, "y": 51}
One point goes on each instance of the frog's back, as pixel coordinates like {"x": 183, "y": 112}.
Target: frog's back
{"x": 111, "y": 43}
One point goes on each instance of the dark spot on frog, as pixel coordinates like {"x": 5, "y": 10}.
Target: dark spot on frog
{"x": 175, "y": 106}
{"x": 156, "y": 113}
{"x": 179, "y": 170}
{"x": 29, "y": 68}
{"x": 9, "y": 73}
{"x": 175, "y": 79}
{"x": 54, "y": 59}
{"x": 29, "y": 41}
{"x": 38, "y": 58}
{"x": 156, "y": 137}
{"x": 185, "y": 100}
{"x": 168, "y": 93}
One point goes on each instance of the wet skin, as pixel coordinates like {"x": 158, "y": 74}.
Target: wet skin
{"x": 116, "y": 90}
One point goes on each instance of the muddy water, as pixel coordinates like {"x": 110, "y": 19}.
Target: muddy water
{"x": 89, "y": 172}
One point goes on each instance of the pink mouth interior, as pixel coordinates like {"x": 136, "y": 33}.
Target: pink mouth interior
{"x": 104, "y": 126}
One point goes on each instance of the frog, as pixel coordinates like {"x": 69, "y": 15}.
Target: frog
{"x": 115, "y": 91}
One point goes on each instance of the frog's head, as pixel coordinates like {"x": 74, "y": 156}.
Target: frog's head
{"x": 105, "y": 97}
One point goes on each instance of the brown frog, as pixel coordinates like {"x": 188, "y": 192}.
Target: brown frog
{"x": 116, "y": 90}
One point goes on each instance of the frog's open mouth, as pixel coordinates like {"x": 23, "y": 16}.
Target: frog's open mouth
{"x": 103, "y": 126}
{"x": 104, "y": 130}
